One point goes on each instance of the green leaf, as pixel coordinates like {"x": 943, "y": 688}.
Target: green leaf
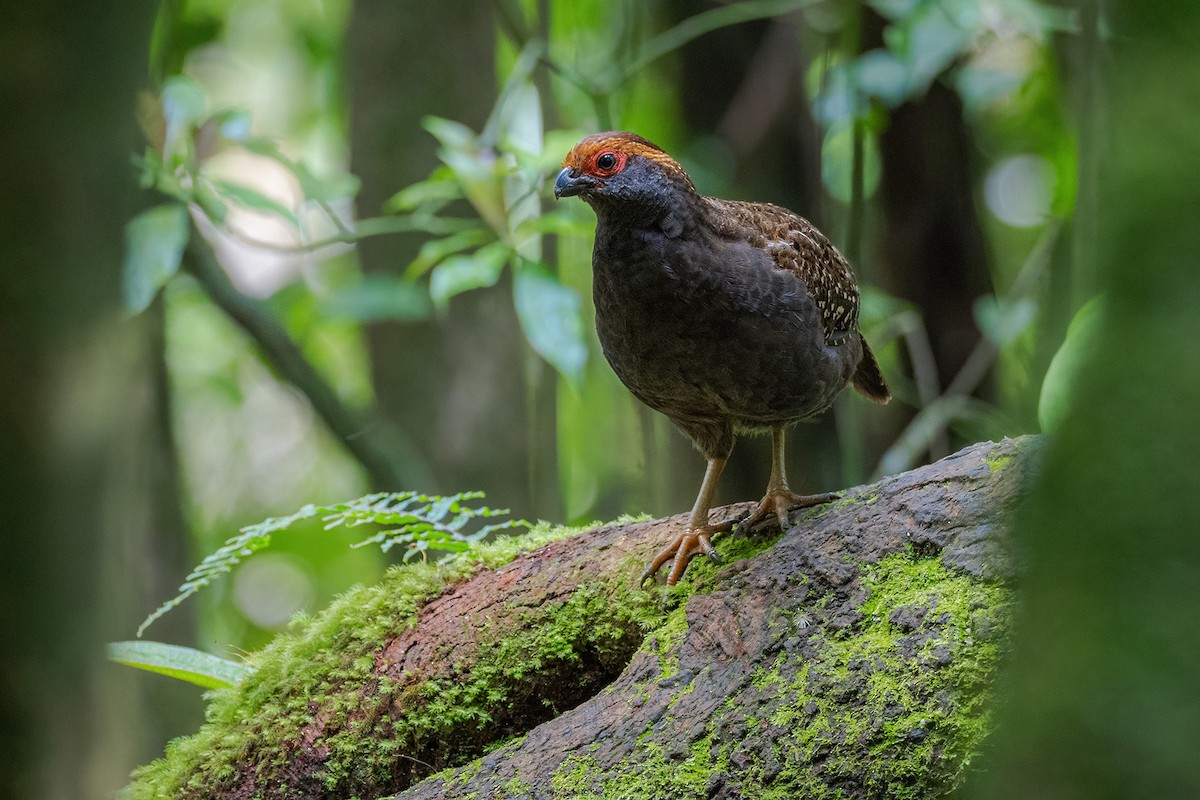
{"x": 254, "y": 199}
{"x": 705, "y": 22}
{"x": 210, "y": 202}
{"x": 420, "y": 522}
{"x": 564, "y": 221}
{"x": 150, "y": 168}
{"x": 522, "y": 128}
{"x": 927, "y": 41}
{"x": 550, "y": 317}
{"x": 893, "y": 9}
{"x": 840, "y": 101}
{"x": 183, "y": 106}
{"x": 475, "y": 167}
{"x": 325, "y": 189}
{"x": 250, "y": 540}
{"x": 1003, "y": 321}
{"x": 462, "y": 273}
{"x": 315, "y": 187}
{"x": 233, "y": 123}
{"x": 837, "y": 162}
{"x": 522, "y": 189}
{"x": 184, "y": 663}
{"x": 880, "y": 74}
{"x": 436, "y": 190}
{"x": 379, "y": 297}
{"x": 415, "y": 222}
{"x": 264, "y": 147}
{"x": 433, "y": 251}
{"x": 979, "y": 85}
{"x": 154, "y": 244}
{"x": 877, "y": 307}
{"x": 556, "y": 144}
{"x": 1057, "y": 394}
{"x": 451, "y": 134}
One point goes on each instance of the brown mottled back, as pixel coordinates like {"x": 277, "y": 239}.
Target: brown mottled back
{"x": 797, "y": 246}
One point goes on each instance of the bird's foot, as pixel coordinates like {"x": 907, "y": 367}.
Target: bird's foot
{"x": 778, "y": 503}
{"x": 682, "y": 549}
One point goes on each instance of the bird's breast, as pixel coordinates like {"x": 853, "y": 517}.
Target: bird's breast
{"x": 700, "y": 328}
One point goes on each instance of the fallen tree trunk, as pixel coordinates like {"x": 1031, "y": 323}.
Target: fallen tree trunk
{"x": 850, "y": 658}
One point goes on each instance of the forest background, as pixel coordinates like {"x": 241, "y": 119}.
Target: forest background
{"x": 260, "y": 253}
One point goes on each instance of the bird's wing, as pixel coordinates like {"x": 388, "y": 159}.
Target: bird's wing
{"x": 794, "y": 244}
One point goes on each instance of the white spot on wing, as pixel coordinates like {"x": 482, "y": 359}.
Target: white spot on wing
{"x": 805, "y": 235}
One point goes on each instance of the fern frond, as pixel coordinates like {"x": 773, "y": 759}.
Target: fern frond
{"x": 421, "y": 523}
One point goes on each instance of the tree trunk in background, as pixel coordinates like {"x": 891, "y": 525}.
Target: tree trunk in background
{"x": 85, "y": 456}
{"x": 456, "y": 386}
{"x": 931, "y": 247}
{"x": 160, "y": 547}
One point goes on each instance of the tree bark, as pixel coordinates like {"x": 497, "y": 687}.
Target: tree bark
{"x": 935, "y": 254}
{"x": 852, "y": 657}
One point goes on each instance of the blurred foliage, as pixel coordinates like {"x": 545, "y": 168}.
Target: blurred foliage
{"x": 1102, "y": 689}
{"x": 1062, "y": 376}
{"x": 246, "y": 133}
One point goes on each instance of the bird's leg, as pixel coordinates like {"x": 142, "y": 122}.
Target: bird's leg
{"x": 780, "y": 499}
{"x": 697, "y": 537}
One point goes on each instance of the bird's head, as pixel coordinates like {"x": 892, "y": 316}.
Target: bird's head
{"x": 615, "y": 167}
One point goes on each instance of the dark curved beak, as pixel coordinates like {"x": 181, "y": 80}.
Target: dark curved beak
{"x": 570, "y": 183}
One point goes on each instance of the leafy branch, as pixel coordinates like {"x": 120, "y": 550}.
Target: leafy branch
{"x": 705, "y": 22}
{"x": 388, "y": 456}
{"x": 418, "y": 522}
{"x": 1002, "y": 320}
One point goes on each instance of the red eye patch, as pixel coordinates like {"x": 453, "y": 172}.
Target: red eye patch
{"x": 607, "y": 162}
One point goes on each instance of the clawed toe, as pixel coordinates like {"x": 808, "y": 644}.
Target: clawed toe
{"x": 779, "y": 503}
{"x": 680, "y": 552}
{"x": 694, "y": 541}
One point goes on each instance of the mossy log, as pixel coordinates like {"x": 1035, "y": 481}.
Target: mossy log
{"x": 851, "y": 657}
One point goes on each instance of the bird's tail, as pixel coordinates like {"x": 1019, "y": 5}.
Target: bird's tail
{"x": 868, "y": 380}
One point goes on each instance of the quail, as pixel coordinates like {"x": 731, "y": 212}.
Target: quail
{"x": 728, "y": 317}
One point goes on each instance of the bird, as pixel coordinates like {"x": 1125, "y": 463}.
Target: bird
{"x": 729, "y": 317}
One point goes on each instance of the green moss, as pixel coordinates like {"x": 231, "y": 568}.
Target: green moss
{"x": 762, "y": 677}
{"x": 651, "y": 773}
{"x": 1024, "y": 449}
{"x": 464, "y": 775}
{"x": 659, "y": 776}
{"x": 907, "y": 686}
{"x": 573, "y": 776}
{"x": 857, "y": 496}
{"x": 663, "y": 642}
{"x": 510, "y": 743}
{"x": 516, "y": 788}
{"x": 324, "y": 662}
{"x": 998, "y": 461}
{"x": 914, "y": 698}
